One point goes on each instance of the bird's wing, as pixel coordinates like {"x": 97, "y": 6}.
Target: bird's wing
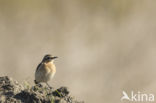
{"x": 38, "y": 66}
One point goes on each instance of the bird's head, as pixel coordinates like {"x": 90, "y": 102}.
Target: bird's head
{"x": 49, "y": 58}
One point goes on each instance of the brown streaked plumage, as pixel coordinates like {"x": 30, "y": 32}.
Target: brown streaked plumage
{"x": 45, "y": 70}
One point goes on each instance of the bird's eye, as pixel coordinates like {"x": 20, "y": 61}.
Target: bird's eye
{"x": 48, "y": 57}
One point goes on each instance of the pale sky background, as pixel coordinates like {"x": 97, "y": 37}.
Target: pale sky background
{"x": 104, "y": 46}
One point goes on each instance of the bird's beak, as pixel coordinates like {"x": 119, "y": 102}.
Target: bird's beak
{"x": 54, "y": 57}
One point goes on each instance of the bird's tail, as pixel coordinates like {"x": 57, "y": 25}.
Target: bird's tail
{"x": 35, "y": 82}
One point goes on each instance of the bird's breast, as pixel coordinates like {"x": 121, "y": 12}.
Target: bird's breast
{"x": 50, "y": 67}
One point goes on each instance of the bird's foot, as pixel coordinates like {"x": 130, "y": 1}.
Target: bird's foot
{"x": 39, "y": 85}
{"x": 49, "y": 86}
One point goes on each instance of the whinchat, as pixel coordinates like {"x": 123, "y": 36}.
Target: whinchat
{"x": 46, "y": 70}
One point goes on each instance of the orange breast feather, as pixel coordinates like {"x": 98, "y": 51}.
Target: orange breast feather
{"x": 51, "y": 67}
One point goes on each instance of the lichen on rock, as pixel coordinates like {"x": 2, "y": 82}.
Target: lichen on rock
{"x": 13, "y": 92}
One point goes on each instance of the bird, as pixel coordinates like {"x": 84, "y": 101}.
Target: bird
{"x": 46, "y": 70}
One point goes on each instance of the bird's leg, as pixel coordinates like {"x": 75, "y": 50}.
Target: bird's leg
{"x": 38, "y": 84}
{"x": 49, "y": 86}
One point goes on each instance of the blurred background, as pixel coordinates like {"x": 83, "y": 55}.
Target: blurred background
{"x": 104, "y": 46}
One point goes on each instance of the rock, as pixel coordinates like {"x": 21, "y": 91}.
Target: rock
{"x": 13, "y": 92}
{"x": 61, "y": 92}
{"x": 8, "y": 87}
